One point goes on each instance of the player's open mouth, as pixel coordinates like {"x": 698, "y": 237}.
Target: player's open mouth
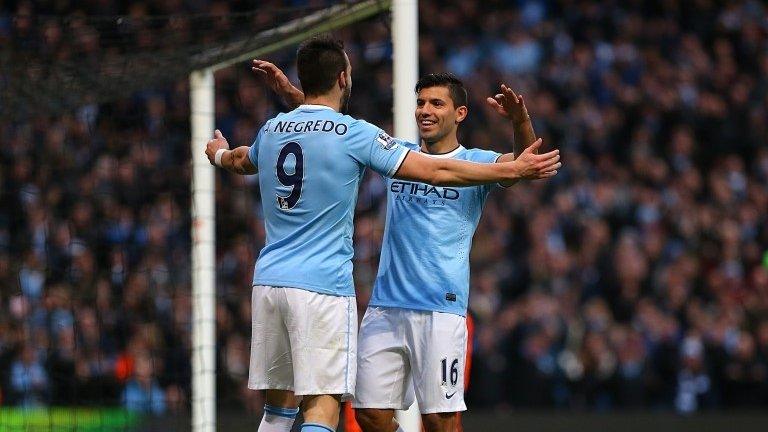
{"x": 427, "y": 123}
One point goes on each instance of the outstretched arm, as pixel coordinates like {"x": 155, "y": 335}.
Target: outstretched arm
{"x": 278, "y": 82}
{"x": 235, "y": 161}
{"x": 510, "y": 105}
{"x": 452, "y": 172}
{"x": 442, "y": 172}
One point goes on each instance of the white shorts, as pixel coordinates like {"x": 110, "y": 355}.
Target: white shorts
{"x": 404, "y": 351}
{"x": 303, "y": 341}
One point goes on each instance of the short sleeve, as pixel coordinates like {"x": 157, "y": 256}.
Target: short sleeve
{"x": 253, "y": 152}
{"x": 378, "y": 150}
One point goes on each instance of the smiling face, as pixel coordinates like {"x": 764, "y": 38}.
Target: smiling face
{"x": 436, "y": 113}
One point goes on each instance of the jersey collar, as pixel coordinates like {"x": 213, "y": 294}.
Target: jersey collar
{"x": 314, "y": 107}
{"x": 450, "y": 154}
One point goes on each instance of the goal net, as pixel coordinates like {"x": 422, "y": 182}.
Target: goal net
{"x": 96, "y": 300}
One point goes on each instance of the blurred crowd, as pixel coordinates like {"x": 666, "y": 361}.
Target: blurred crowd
{"x": 637, "y": 278}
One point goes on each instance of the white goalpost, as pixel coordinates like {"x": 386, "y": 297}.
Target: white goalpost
{"x": 405, "y": 62}
{"x": 202, "y": 118}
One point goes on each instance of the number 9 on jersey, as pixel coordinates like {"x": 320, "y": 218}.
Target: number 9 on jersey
{"x": 294, "y": 180}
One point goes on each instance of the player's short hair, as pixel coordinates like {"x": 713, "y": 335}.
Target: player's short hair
{"x": 445, "y": 79}
{"x": 319, "y": 61}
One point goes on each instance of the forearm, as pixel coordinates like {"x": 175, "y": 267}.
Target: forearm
{"x": 237, "y": 161}
{"x": 293, "y": 98}
{"x": 450, "y": 172}
{"x": 524, "y": 135}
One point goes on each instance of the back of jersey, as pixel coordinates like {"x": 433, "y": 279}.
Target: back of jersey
{"x": 310, "y": 163}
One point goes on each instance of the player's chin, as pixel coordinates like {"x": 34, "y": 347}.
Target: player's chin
{"x": 428, "y": 131}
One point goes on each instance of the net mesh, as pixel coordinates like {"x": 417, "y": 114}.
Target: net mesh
{"x": 96, "y": 305}
{"x": 54, "y": 64}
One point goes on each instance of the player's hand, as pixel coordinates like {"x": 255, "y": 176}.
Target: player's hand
{"x": 509, "y": 105}
{"x": 532, "y": 166}
{"x": 218, "y": 142}
{"x": 278, "y": 82}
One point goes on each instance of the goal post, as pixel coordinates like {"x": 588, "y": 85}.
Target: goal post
{"x": 202, "y": 117}
{"x": 111, "y": 82}
{"x": 405, "y": 62}
{"x": 203, "y": 234}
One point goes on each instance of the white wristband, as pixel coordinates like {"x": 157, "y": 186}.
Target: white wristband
{"x": 217, "y": 156}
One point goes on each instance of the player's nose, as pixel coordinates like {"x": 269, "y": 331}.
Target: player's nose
{"x": 426, "y": 112}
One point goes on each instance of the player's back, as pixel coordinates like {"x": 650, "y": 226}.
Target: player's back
{"x": 310, "y": 162}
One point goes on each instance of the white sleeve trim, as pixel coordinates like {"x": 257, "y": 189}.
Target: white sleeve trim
{"x": 251, "y": 159}
{"x": 399, "y": 162}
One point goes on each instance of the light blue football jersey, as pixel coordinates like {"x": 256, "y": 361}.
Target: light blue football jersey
{"x": 310, "y": 162}
{"x": 424, "y": 261}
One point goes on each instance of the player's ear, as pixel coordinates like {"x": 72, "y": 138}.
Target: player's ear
{"x": 461, "y": 113}
{"x": 343, "y": 80}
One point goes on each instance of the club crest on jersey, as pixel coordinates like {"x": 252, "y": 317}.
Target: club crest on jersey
{"x": 386, "y": 141}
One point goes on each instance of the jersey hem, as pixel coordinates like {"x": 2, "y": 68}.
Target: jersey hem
{"x": 267, "y": 386}
{"x": 363, "y": 405}
{"x": 416, "y": 308}
{"x": 299, "y": 285}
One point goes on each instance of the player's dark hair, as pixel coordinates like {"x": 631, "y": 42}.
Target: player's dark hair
{"x": 445, "y": 79}
{"x": 319, "y": 61}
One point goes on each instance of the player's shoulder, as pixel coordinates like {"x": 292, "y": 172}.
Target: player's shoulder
{"x": 386, "y": 140}
{"x": 407, "y": 144}
{"x": 479, "y": 155}
{"x": 369, "y": 132}
{"x": 361, "y": 127}
{"x": 359, "y": 124}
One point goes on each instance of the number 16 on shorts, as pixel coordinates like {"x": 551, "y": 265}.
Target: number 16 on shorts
{"x": 449, "y": 372}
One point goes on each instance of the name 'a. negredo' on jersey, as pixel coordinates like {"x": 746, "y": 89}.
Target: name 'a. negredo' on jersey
{"x": 311, "y": 161}
{"x": 424, "y": 261}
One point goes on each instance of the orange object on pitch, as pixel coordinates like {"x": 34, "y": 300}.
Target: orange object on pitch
{"x": 467, "y": 364}
{"x": 350, "y": 424}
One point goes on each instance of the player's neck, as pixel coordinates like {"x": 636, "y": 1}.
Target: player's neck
{"x": 445, "y": 145}
{"x": 329, "y": 100}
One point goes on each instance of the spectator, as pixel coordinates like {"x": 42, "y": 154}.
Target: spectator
{"x": 636, "y": 278}
{"x": 29, "y": 379}
{"x": 142, "y": 392}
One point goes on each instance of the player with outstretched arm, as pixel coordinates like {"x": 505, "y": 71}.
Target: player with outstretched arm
{"x": 416, "y": 319}
{"x": 413, "y": 338}
{"x": 310, "y": 162}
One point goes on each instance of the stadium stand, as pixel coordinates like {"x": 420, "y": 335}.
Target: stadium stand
{"x": 637, "y": 278}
